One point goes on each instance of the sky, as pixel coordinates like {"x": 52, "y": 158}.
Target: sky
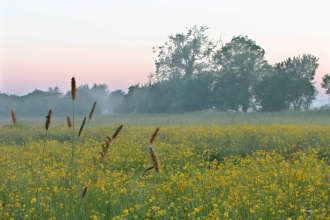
{"x": 45, "y": 43}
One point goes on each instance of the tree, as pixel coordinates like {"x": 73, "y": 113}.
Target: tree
{"x": 129, "y": 100}
{"x": 55, "y": 91}
{"x": 184, "y": 55}
{"x": 271, "y": 94}
{"x": 240, "y": 64}
{"x": 100, "y": 93}
{"x": 326, "y": 83}
{"x": 290, "y": 85}
{"x": 196, "y": 92}
{"x": 116, "y": 101}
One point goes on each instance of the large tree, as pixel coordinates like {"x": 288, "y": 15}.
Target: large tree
{"x": 290, "y": 86}
{"x": 326, "y": 83}
{"x": 184, "y": 54}
{"x": 240, "y": 65}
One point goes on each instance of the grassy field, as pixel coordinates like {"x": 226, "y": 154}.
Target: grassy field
{"x": 213, "y": 165}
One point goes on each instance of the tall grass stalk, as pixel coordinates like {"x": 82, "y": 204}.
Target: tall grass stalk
{"x": 80, "y": 131}
{"x": 73, "y": 94}
{"x": 47, "y": 124}
{"x": 89, "y": 118}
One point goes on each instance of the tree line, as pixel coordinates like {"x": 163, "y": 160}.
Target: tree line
{"x": 193, "y": 73}
{"x": 37, "y": 103}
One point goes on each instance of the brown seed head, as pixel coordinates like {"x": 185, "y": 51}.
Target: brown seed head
{"x": 84, "y": 192}
{"x": 154, "y": 136}
{"x": 13, "y": 116}
{"x": 48, "y": 118}
{"x": 154, "y": 158}
{"x": 68, "y": 118}
{"x": 92, "y": 111}
{"x": 73, "y": 88}
{"x": 82, "y": 127}
{"x": 117, "y": 131}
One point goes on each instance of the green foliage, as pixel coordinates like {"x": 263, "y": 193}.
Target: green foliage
{"x": 241, "y": 64}
{"x": 116, "y": 101}
{"x": 184, "y": 55}
{"x": 290, "y": 85}
{"x": 326, "y": 83}
{"x": 196, "y": 93}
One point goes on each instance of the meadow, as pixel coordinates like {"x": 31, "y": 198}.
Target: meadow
{"x": 213, "y": 165}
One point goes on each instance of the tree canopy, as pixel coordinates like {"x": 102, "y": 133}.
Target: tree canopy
{"x": 184, "y": 54}
{"x": 240, "y": 65}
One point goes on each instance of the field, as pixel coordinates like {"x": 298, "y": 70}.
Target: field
{"x": 213, "y": 165}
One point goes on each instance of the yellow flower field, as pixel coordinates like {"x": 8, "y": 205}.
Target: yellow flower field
{"x": 234, "y": 171}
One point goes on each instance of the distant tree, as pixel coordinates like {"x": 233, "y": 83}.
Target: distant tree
{"x": 290, "y": 86}
{"x": 326, "y": 84}
{"x": 116, "y": 101}
{"x": 240, "y": 64}
{"x": 196, "y": 92}
{"x": 7, "y": 103}
{"x": 184, "y": 54}
{"x": 55, "y": 91}
{"x": 130, "y": 99}
{"x": 271, "y": 92}
{"x": 100, "y": 93}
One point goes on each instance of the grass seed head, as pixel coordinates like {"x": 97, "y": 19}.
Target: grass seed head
{"x": 73, "y": 88}
{"x": 82, "y": 127}
{"x": 92, "y": 111}
{"x": 68, "y": 118}
{"x": 13, "y": 116}
{"x": 154, "y": 158}
{"x": 84, "y": 192}
{"x": 148, "y": 168}
{"x": 108, "y": 138}
{"x": 117, "y": 131}
{"x": 154, "y": 136}
{"x": 48, "y": 118}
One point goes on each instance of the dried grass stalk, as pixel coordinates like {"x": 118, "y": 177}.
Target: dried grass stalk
{"x": 73, "y": 88}
{"x": 84, "y": 192}
{"x": 13, "y": 116}
{"x": 48, "y": 118}
{"x": 154, "y": 136}
{"x": 148, "y": 168}
{"x": 292, "y": 155}
{"x": 94, "y": 161}
{"x": 68, "y": 118}
{"x": 296, "y": 147}
{"x": 92, "y": 111}
{"x": 105, "y": 148}
{"x": 154, "y": 158}
{"x": 117, "y": 131}
{"x": 82, "y": 127}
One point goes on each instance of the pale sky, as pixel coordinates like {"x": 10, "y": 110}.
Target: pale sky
{"x": 45, "y": 43}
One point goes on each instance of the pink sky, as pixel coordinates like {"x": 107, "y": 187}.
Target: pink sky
{"x": 45, "y": 43}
